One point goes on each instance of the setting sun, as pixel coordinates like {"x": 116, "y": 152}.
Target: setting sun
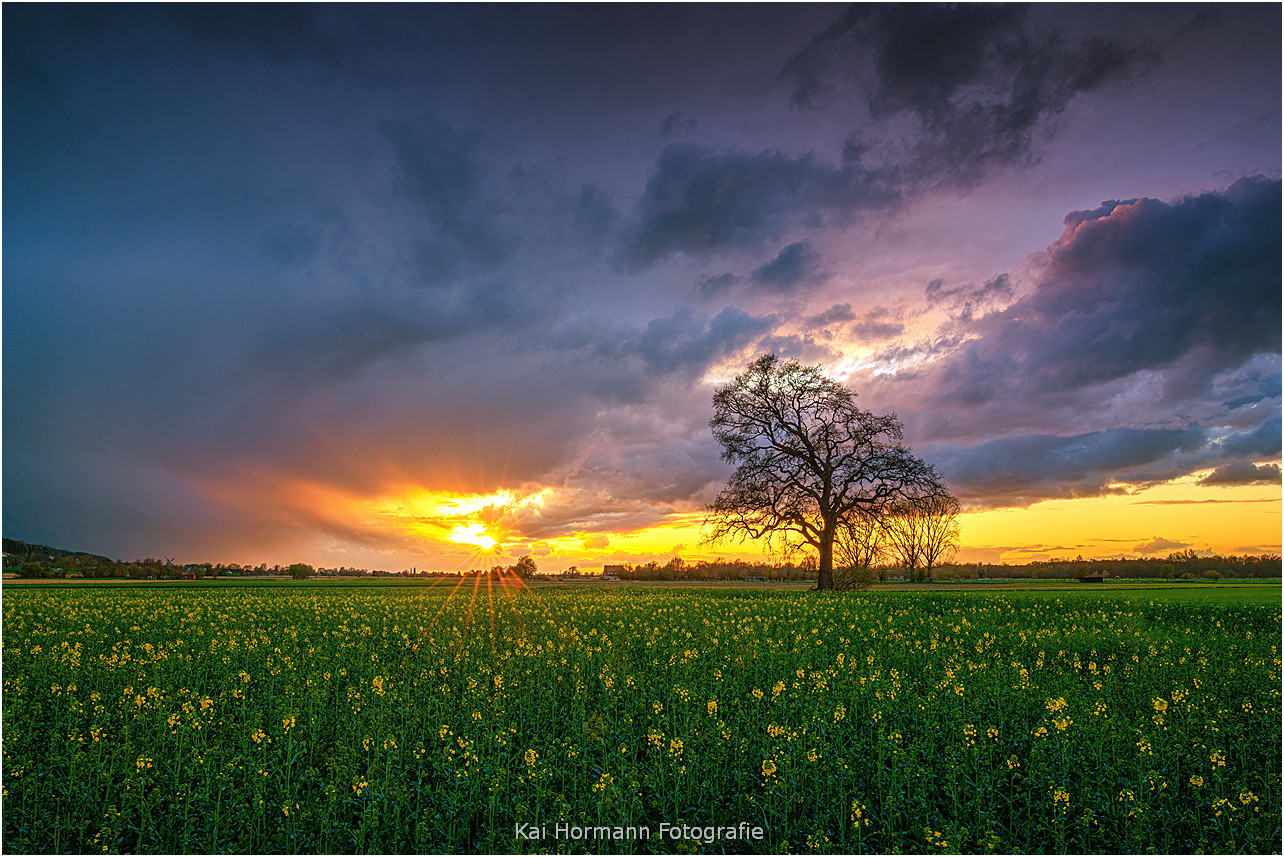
{"x": 472, "y": 534}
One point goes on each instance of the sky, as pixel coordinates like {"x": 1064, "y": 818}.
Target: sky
{"x": 440, "y": 286}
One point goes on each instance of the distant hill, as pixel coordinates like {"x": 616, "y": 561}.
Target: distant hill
{"x": 25, "y": 551}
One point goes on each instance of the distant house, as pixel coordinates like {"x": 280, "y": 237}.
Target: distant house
{"x": 612, "y": 572}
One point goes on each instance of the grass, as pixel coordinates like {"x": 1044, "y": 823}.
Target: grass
{"x": 346, "y": 717}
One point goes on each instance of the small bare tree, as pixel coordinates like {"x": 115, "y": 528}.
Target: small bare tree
{"x": 924, "y": 533}
{"x": 859, "y": 544}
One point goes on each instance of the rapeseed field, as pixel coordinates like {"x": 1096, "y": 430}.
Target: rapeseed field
{"x": 499, "y": 718}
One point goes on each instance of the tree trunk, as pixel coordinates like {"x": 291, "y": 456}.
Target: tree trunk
{"x": 825, "y": 566}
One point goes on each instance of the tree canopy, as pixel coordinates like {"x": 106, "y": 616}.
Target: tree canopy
{"x": 808, "y": 461}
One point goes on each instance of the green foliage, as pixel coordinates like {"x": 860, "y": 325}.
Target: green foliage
{"x": 525, "y": 567}
{"x": 301, "y": 571}
{"x": 432, "y": 719}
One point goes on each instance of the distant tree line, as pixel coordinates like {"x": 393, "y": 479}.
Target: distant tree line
{"x": 1185, "y": 565}
{"x": 41, "y": 561}
{"x": 719, "y": 569}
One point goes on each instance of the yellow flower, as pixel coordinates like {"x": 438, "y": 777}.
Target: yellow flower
{"x": 1161, "y": 705}
{"x": 531, "y": 758}
{"x": 1197, "y": 782}
{"x": 768, "y": 768}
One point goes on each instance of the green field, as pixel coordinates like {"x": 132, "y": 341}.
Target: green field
{"x": 331, "y": 718}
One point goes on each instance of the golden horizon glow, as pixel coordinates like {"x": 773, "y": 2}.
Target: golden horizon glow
{"x": 408, "y": 525}
{"x": 1154, "y": 521}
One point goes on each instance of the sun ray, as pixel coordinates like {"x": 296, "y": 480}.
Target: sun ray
{"x": 512, "y": 604}
{"x": 445, "y": 603}
{"x": 468, "y": 619}
{"x": 490, "y": 606}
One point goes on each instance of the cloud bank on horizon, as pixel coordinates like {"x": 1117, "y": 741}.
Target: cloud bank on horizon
{"x": 287, "y": 280}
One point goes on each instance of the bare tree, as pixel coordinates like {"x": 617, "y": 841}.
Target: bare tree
{"x": 808, "y": 461}
{"x": 858, "y": 545}
{"x": 924, "y": 533}
{"x": 940, "y": 530}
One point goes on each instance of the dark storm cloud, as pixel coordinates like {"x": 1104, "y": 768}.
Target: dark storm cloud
{"x": 687, "y": 344}
{"x": 1243, "y": 473}
{"x": 1141, "y": 287}
{"x": 700, "y": 200}
{"x": 712, "y": 287}
{"x": 684, "y": 344}
{"x": 980, "y": 81}
{"x": 1023, "y": 469}
{"x": 796, "y": 266}
{"x": 1261, "y": 440}
{"x": 442, "y": 176}
{"x": 1143, "y": 314}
